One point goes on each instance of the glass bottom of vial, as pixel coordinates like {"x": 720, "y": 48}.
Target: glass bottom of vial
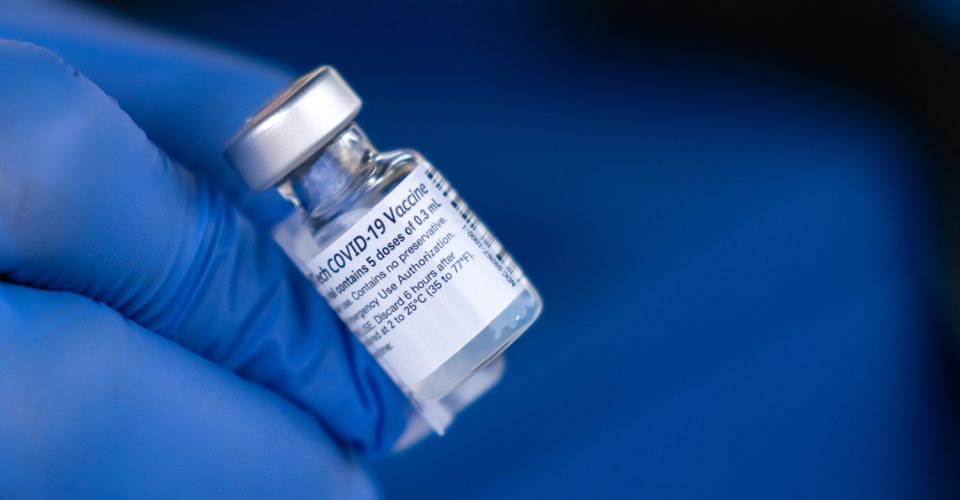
{"x": 438, "y": 395}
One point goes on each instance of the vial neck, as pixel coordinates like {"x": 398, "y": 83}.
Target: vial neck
{"x": 326, "y": 183}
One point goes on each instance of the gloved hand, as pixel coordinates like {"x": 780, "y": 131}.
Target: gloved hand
{"x": 153, "y": 340}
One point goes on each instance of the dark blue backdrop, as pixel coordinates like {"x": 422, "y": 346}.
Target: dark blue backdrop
{"x": 737, "y": 261}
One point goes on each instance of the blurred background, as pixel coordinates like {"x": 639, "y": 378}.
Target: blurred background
{"x": 741, "y": 215}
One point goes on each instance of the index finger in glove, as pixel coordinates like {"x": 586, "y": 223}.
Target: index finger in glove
{"x": 89, "y": 205}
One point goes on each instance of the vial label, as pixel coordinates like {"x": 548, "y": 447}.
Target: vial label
{"x": 417, "y": 277}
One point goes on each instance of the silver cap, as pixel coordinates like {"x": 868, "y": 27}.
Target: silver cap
{"x": 292, "y": 127}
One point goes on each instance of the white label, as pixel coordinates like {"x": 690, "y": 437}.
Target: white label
{"x": 417, "y": 277}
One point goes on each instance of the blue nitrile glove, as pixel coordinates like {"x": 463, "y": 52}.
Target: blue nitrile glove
{"x": 153, "y": 341}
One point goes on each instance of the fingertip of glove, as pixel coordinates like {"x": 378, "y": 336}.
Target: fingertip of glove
{"x": 33, "y": 77}
{"x": 40, "y": 90}
{"x": 25, "y": 61}
{"x": 18, "y": 48}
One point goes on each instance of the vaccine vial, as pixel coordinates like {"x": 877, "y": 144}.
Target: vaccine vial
{"x": 398, "y": 255}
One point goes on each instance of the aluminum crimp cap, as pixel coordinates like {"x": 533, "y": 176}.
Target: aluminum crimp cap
{"x": 292, "y": 127}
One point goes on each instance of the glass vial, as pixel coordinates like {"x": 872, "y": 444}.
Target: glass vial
{"x": 399, "y": 256}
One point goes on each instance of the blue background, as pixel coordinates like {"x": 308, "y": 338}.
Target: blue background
{"x": 737, "y": 259}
